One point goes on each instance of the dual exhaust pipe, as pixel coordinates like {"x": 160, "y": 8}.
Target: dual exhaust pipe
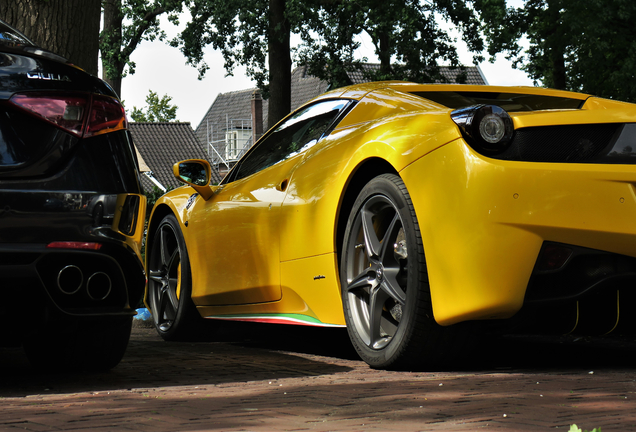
{"x": 70, "y": 280}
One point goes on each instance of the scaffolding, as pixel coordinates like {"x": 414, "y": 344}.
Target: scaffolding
{"x": 227, "y": 143}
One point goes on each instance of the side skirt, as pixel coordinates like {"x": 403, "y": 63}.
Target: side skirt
{"x": 294, "y": 319}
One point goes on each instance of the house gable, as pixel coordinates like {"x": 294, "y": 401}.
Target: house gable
{"x": 161, "y": 145}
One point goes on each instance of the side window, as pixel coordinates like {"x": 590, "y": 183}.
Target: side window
{"x": 295, "y": 135}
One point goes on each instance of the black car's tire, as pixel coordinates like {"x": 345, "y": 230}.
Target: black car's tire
{"x": 170, "y": 284}
{"x": 385, "y": 290}
{"x": 95, "y": 345}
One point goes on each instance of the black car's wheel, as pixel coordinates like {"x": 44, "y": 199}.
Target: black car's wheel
{"x": 170, "y": 283}
{"x": 384, "y": 282}
{"x": 96, "y": 344}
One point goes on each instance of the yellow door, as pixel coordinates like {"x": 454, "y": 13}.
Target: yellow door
{"x": 239, "y": 227}
{"x": 241, "y": 238}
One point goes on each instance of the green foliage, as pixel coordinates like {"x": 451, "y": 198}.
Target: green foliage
{"x": 237, "y": 28}
{"x": 126, "y": 24}
{"x": 255, "y": 34}
{"x": 406, "y": 35}
{"x": 152, "y": 197}
{"x": 581, "y": 46}
{"x": 157, "y": 110}
{"x": 603, "y": 58}
{"x": 251, "y": 33}
{"x": 575, "y": 428}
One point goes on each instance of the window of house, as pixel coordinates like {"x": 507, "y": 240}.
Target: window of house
{"x": 231, "y": 144}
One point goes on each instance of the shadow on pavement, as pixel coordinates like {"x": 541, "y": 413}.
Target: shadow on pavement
{"x": 241, "y": 352}
{"x": 538, "y": 353}
{"x": 236, "y": 352}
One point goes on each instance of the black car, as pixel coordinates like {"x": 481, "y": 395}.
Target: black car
{"x": 71, "y": 211}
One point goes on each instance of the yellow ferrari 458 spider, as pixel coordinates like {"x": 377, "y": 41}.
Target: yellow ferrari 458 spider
{"x": 413, "y": 215}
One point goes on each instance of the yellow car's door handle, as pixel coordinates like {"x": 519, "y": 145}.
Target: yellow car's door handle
{"x": 282, "y": 185}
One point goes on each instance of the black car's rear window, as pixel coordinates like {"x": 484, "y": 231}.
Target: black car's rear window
{"x": 509, "y": 101}
{"x": 12, "y": 38}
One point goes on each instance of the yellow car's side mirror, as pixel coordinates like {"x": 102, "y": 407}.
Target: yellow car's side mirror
{"x": 196, "y": 173}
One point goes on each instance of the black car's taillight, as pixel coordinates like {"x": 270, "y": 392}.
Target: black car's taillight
{"x": 486, "y": 128}
{"x": 106, "y": 115}
{"x": 81, "y": 114}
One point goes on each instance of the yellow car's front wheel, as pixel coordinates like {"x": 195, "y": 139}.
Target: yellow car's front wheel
{"x": 385, "y": 288}
{"x": 170, "y": 282}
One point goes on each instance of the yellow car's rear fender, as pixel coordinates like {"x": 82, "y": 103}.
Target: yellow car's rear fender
{"x": 322, "y": 190}
{"x": 317, "y": 191}
{"x": 483, "y": 222}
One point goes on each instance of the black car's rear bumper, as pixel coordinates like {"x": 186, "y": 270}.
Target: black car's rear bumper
{"x": 80, "y": 283}
{"x": 70, "y": 239}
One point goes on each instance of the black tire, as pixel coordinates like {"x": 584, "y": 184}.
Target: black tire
{"x": 170, "y": 284}
{"x": 385, "y": 290}
{"x": 68, "y": 345}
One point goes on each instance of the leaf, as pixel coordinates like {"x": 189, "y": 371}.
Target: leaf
{"x": 157, "y": 110}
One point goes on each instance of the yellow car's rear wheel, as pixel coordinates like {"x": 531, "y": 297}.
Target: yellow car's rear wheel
{"x": 385, "y": 288}
{"x": 170, "y": 283}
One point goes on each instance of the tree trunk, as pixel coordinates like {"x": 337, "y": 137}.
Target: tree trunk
{"x": 559, "y": 78}
{"x": 384, "y": 54}
{"x": 69, "y": 28}
{"x": 279, "y": 63}
{"x": 112, "y": 66}
{"x": 556, "y": 47}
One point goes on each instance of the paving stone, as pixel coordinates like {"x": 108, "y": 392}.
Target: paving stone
{"x": 263, "y": 378}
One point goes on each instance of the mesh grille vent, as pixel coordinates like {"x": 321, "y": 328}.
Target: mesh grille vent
{"x": 572, "y": 143}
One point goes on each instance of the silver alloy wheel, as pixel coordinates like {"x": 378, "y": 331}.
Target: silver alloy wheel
{"x": 165, "y": 277}
{"x": 376, "y": 271}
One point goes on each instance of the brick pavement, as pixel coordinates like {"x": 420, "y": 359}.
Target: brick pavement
{"x": 266, "y": 378}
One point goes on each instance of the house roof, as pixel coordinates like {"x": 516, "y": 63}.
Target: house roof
{"x": 161, "y": 145}
{"x": 236, "y": 105}
{"x": 473, "y": 74}
{"x": 305, "y": 87}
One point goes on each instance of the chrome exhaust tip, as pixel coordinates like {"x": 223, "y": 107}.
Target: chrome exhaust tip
{"x": 98, "y": 286}
{"x": 70, "y": 279}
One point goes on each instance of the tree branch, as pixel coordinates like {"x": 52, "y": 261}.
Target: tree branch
{"x": 134, "y": 41}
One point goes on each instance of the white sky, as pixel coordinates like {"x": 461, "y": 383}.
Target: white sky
{"x": 162, "y": 69}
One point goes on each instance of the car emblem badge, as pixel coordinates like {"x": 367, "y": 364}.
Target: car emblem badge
{"x": 46, "y": 76}
{"x": 191, "y": 200}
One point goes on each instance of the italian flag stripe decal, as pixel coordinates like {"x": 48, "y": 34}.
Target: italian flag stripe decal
{"x": 296, "y": 319}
